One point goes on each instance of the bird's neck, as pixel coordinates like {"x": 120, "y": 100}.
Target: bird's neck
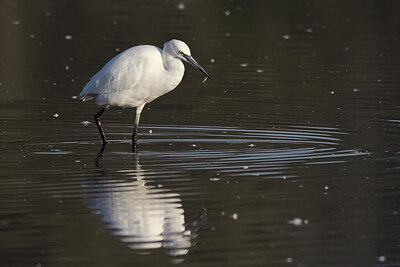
{"x": 173, "y": 65}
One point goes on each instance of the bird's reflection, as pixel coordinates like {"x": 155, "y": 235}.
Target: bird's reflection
{"x": 144, "y": 215}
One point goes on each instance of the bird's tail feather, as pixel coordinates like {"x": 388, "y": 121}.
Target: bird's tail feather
{"x": 87, "y": 97}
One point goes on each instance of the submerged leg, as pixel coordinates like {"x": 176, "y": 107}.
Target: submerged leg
{"x": 97, "y": 120}
{"x": 135, "y": 128}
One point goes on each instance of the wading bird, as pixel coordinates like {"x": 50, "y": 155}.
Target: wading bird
{"x": 136, "y": 77}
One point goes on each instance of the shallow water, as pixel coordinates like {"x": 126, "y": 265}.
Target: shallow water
{"x": 288, "y": 155}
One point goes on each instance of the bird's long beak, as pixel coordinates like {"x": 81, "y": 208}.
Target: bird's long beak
{"x": 191, "y": 60}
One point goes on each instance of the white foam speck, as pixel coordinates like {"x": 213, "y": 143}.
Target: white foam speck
{"x": 85, "y": 123}
{"x": 297, "y": 221}
{"x": 244, "y": 65}
{"x": 181, "y": 6}
{"x": 381, "y": 258}
{"x": 286, "y": 36}
{"x": 68, "y": 37}
{"x": 55, "y": 115}
{"x": 227, "y": 13}
{"x": 214, "y": 179}
{"x": 235, "y": 216}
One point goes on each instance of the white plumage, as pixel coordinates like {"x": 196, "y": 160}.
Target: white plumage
{"x": 138, "y": 76}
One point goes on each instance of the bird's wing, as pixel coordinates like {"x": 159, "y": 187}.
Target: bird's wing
{"x": 123, "y": 72}
{"x": 117, "y": 75}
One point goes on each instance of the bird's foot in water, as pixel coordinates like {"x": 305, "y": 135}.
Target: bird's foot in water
{"x": 134, "y": 148}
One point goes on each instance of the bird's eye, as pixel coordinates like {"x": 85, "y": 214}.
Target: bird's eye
{"x": 181, "y": 53}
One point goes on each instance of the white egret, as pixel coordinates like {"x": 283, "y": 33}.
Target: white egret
{"x": 136, "y": 77}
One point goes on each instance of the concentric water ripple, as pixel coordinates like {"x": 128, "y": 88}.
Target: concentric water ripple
{"x": 140, "y": 196}
{"x": 233, "y": 150}
{"x": 241, "y": 151}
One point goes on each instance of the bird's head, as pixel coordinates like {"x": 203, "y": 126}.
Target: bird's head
{"x": 179, "y": 49}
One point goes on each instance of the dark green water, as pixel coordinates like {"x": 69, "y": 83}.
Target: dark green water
{"x": 289, "y": 155}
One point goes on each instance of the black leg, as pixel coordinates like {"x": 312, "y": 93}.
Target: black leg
{"x": 99, "y": 157}
{"x": 135, "y": 128}
{"x": 134, "y": 139}
{"x": 103, "y": 147}
{"x": 97, "y": 120}
{"x": 134, "y": 135}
